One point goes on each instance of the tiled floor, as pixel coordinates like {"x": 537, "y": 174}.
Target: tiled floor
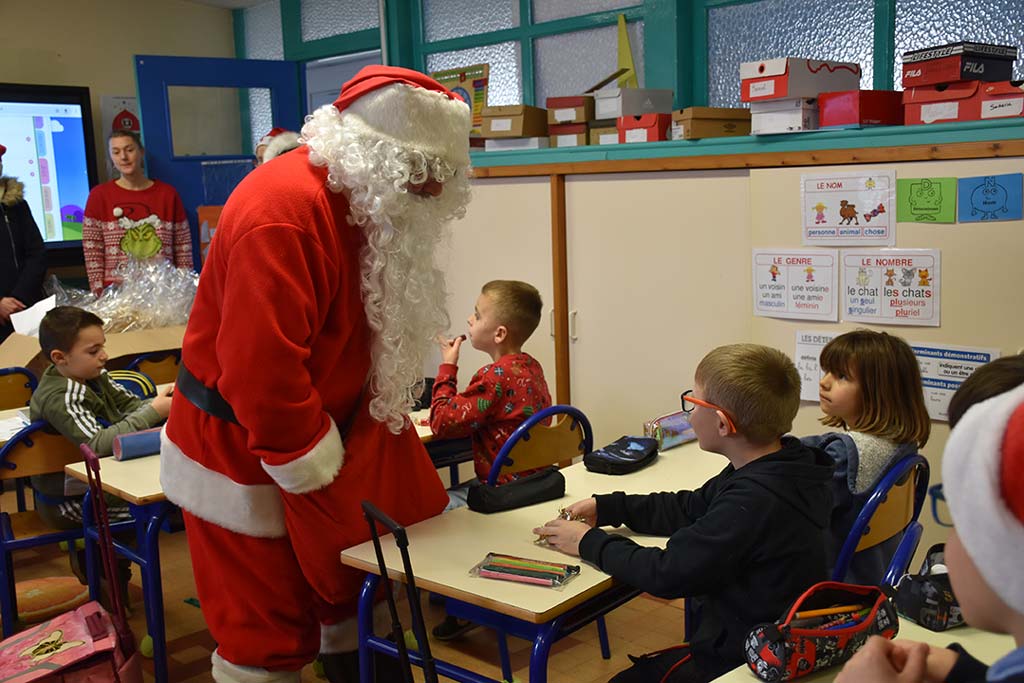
{"x": 643, "y": 625}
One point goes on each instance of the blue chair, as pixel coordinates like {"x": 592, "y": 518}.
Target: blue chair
{"x": 161, "y": 366}
{"x": 16, "y": 387}
{"x": 139, "y": 383}
{"x": 31, "y": 451}
{"x": 533, "y": 445}
{"x": 892, "y": 508}
{"x": 904, "y": 554}
{"x": 537, "y": 444}
{"x": 938, "y": 495}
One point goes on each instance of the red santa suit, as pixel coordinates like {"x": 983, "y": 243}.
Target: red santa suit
{"x": 278, "y": 330}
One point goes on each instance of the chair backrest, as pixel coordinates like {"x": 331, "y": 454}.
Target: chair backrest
{"x": 160, "y": 366}
{"x": 374, "y": 517}
{"x": 134, "y": 381}
{"x": 535, "y": 444}
{"x": 16, "y": 387}
{"x": 895, "y": 503}
{"x": 34, "y": 450}
{"x": 904, "y": 554}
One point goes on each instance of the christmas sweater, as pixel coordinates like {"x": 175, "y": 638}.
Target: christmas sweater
{"x": 119, "y": 223}
{"x": 499, "y": 398}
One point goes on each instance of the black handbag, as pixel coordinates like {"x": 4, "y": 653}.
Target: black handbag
{"x": 926, "y": 598}
{"x": 548, "y": 484}
{"x": 622, "y": 456}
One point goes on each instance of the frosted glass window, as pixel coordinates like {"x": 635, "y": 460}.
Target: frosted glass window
{"x": 456, "y": 18}
{"x": 506, "y": 83}
{"x": 261, "y": 115}
{"x": 326, "y": 18}
{"x": 569, "y": 63}
{"x": 926, "y": 23}
{"x": 813, "y": 29}
{"x": 263, "y": 31}
{"x": 549, "y": 10}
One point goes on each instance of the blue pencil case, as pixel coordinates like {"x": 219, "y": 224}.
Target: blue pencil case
{"x": 622, "y": 456}
{"x": 137, "y": 444}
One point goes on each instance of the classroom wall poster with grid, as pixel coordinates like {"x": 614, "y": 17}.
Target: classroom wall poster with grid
{"x": 469, "y": 83}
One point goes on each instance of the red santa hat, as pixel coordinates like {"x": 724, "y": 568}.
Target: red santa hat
{"x": 2, "y": 150}
{"x": 274, "y": 132}
{"x": 409, "y": 108}
{"x": 983, "y": 480}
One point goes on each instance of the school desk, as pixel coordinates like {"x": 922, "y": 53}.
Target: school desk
{"x": 987, "y": 647}
{"x": 444, "y": 548}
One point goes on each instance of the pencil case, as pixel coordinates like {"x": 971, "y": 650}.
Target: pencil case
{"x": 926, "y": 598}
{"x": 137, "y": 444}
{"x": 670, "y": 430}
{"x": 525, "y": 570}
{"x": 824, "y": 627}
{"x": 622, "y": 456}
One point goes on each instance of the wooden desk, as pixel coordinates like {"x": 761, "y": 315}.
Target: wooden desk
{"x": 985, "y": 646}
{"x": 444, "y": 548}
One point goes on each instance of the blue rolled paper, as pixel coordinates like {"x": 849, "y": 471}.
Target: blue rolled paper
{"x": 137, "y": 444}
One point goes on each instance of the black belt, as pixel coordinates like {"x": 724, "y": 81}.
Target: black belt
{"x": 203, "y": 397}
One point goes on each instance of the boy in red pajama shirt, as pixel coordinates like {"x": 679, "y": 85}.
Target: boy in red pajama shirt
{"x": 500, "y": 396}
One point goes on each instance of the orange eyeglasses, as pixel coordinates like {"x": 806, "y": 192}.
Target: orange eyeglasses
{"x": 687, "y": 397}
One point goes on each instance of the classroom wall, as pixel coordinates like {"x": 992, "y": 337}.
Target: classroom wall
{"x": 93, "y": 42}
{"x": 980, "y": 266}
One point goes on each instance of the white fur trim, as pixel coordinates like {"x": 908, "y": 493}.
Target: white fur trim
{"x": 422, "y": 119}
{"x": 254, "y": 510}
{"x": 226, "y": 672}
{"x": 314, "y": 470}
{"x": 344, "y": 636}
{"x": 988, "y": 529}
{"x": 279, "y": 144}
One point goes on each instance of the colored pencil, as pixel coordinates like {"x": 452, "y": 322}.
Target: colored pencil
{"x": 828, "y": 611}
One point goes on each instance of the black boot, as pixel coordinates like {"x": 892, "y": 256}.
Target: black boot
{"x": 343, "y": 667}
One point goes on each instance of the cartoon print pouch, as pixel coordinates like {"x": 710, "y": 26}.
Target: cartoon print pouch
{"x": 622, "y": 456}
{"x": 824, "y": 627}
{"x": 926, "y": 598}
{"x": 670, "y": 430}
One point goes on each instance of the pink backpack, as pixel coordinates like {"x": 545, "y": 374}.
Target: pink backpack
{"x": 85, "y": 645}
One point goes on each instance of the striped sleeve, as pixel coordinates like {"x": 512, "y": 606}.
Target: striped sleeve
{"x": 69, "y": 413}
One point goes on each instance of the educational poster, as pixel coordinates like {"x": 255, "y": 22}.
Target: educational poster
{"x": 849, "y": 208}
{"x": 926, "y": 200}
{"x": 990, "y": 198}
{"x": 469, "y": 83}
{"x": 944, "y": 368}
{"x": 808, "y": 351}
{"x": 800, "y": 283}
{"x": 891, "y": 286}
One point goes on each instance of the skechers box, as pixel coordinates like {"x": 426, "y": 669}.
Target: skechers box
{"x": 695, "y": 123}
{"x": 790, "y": 77}
{"x": 514, "y": 121}
{"x": 958, "y": 62}
{"x": 858, "y": 108}
{"x": 963, "y": 101}
{"x": 783, "y": 116}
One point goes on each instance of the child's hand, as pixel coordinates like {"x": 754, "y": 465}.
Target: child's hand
{"x": 162, "y": 405}
{"x": 939, "y": 662}
{"x": 880, "y": 661}
{"x": 563, "y": 535}
{"x": 586, "y": 508}
{"x": 450, "y": 349}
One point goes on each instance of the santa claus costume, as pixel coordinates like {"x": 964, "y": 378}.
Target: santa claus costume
{"x": 277, "y": 141}
{"x": 304, "y": 349}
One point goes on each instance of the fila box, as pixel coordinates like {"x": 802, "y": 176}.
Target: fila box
{"x": 790, "y": 77}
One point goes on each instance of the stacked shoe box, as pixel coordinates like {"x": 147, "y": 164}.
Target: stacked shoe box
{"x": 783, "y": 92}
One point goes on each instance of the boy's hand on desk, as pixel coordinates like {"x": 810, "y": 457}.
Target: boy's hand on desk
{"x": 586, "y": 508}
{"x": 162, "y": 405}
{"x": 450, "y": 349}
{"x": 939, "y": 662}
{"x": 881, "y": 661}
{"x": 563, "y": 535}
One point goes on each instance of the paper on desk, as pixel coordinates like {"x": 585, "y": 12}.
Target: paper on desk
{"x": 27, "y": 322}
{"x": 12, "y": 425}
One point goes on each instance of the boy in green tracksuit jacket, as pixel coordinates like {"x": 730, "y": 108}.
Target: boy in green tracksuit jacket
{"x": 78, "y": 398}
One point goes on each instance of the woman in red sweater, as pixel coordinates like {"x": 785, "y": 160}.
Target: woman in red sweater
{"x": 132, "y": 216}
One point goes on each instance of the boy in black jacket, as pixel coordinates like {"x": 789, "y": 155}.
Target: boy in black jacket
{"x": 744, "y": 545}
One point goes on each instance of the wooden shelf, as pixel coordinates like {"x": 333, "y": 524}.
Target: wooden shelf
{"x": 889, "y": 144}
